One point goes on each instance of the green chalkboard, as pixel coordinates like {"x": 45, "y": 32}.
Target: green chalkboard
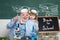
{"x": 7, "y": 12}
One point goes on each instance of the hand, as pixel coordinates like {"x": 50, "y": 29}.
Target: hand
{"x": 15, "y": 18}
{"x": 36, "y": 21}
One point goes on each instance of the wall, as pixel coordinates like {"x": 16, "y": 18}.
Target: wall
{"x": 3, "y": 29}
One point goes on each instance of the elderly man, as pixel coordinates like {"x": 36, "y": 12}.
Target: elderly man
{"x": 24, "y": 23}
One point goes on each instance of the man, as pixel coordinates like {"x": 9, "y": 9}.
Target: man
{"x": 22, "y": 19}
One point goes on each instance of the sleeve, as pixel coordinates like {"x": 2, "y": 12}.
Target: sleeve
{"x": 36, "y": 26}
{"x": 11, "y": 24}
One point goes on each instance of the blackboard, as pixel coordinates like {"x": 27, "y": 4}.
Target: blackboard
{"x": 48, "y": 24}
{"x": 7, "y": 12}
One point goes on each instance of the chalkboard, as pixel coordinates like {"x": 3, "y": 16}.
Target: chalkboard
{"x": 48, "y": 24}
{"x": 6, "y": 6}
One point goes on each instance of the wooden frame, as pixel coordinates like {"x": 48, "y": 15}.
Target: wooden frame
{"x": 56, "y": 19}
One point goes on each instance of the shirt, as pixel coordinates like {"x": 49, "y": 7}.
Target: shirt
{"x": 29, "y": 26}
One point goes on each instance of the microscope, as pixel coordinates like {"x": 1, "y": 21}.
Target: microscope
{"x": 17, "y": 32}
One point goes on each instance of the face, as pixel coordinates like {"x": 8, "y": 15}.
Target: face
{"x": 32, "y": 17}
{"x": 24, "y": 15}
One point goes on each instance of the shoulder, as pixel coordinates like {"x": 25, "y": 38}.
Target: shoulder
{"x": 33, "y": 21}
{"x": 30, "y": 22}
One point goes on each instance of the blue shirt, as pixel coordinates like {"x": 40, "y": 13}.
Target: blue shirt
{"x": 29, "y": 26}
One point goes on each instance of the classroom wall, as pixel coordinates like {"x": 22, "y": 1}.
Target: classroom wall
{"x": 3, "y": 29}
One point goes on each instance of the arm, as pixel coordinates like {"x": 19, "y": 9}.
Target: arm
{"x": 36, "y": 25}
{"x": 12, "y": 23}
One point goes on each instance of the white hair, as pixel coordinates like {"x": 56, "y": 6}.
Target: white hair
{"x": 24, "y": 10}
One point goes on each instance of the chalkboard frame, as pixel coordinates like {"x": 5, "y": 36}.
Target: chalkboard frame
{"x": 48, "y": 17}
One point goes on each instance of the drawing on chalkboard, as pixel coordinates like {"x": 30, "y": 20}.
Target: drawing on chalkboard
{"x": 49, "y": 8}
{"x": 17, "y": 9}
{"x": 48, "y": 23}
